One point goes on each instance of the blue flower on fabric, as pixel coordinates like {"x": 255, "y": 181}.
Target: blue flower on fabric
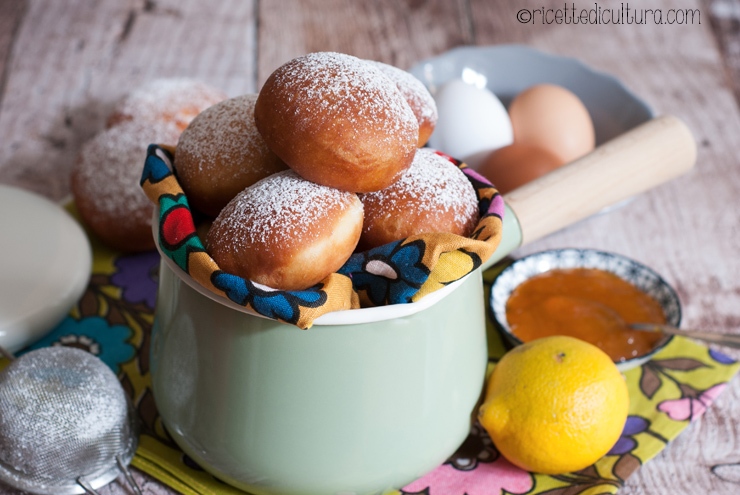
{"x": 720, "y": 357}
{"x": 272, "y": 303}
{"x": 388, "y": 274}
{"x": 95, "y": 335}
{"x": 158, "y": 164}
{"x": 137, "y": 277}
{"x": 633, "y": 426}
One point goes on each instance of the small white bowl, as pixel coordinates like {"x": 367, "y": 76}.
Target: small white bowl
{"x": 637, "y": 274}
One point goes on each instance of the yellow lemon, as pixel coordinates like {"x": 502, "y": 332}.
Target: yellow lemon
{"x": 555, "y": 405}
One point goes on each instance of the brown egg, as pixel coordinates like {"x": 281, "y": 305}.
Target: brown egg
{"x": 515, "y": 165}
{"x": 551, "y": 117}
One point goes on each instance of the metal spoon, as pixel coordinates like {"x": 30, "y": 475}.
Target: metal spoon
{"x": 730, "y": 340}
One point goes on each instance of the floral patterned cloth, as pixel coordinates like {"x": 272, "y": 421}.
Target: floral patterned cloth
{"x": 113, "y": 320}
{"x": 396, "y": 273}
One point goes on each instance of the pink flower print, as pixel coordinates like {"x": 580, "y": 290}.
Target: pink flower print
{"x": 691, "y": 408}
{"x": 488, "y": 478}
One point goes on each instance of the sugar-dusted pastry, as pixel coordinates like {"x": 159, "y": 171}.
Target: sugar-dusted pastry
{"x": 176, "y": 100}
{"x": 105, "y": 183}
{"x": 433, "y": 195}
{"x": 417, "y": 96}
{"x": 337, "y": 120}
{"x": 221, "y": 152}
{"x": 286, "y": 232}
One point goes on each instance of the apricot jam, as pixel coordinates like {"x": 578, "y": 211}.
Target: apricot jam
{"x": 587, "y": 303}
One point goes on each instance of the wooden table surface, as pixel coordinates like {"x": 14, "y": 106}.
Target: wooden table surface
{"x": 63, "y": 64}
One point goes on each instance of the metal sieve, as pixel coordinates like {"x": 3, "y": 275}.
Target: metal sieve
{"x": 66, "y": 426}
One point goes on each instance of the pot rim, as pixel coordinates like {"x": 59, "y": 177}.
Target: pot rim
{"x": 341, "y": 317}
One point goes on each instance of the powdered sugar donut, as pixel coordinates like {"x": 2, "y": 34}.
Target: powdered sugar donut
{"x": 221, "y": 152}
{"x": 176, "y": 100}
{"x": 417, "y": 96}
{"x": 105, "y": 183}
{"x": 286, "y": 232}
{"x": 337, "y": 121}
{"x": 433, "y": 195}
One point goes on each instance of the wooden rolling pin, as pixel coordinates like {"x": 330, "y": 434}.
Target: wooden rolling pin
{"x": 641, "y": 158}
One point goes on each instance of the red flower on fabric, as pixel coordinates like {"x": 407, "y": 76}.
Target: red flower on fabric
{"x": 176, "y": 226}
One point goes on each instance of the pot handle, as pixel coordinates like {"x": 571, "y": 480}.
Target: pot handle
{"x": 641, "y": 158}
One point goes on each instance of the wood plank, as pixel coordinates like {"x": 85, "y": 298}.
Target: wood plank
{"x": 11, "y": 17}
{"x": 44, "y": 115}
{"x": 683, "y": 228}
{"x": 397, "y": 33}
{"x": 724, "y": 17}
{"x": 73, "y": 60}
{"x": 67, "y": 62}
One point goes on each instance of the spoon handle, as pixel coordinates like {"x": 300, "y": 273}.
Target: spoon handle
{"x": 730, "y": 340}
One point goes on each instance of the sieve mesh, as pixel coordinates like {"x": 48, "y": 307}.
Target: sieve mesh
{"x": 63, "y": 414}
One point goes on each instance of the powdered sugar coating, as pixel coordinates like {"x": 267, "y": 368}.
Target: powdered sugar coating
{"x": 335, "y": 83}
{"x": 226, "y": 128}
{"x": 63, "y": 410}
{"x": 433, "y": 195}
{"x": 338, "y": 121}
{"x": 105, "y": 182}
{"x": 285, "y": 232}
{"x": 110, "y": 165}
{"x": 416, "y": 94}
{"x": 221, "y": 153}
{"x": 283, "y": 210}
{"x": 176, "y": 99}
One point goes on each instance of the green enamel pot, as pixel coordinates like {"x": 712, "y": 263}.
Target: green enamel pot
{"x": 368, "y": 400}
{"x": 365, "y": 400}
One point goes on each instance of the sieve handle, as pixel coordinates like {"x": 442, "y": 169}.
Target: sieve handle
{"x": 641, "y": 158}
{"x": 6, "y": 354}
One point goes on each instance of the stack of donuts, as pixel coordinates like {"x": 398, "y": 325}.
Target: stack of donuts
{"x": 105, "y": 178}
{"x": 326, "y": 160}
